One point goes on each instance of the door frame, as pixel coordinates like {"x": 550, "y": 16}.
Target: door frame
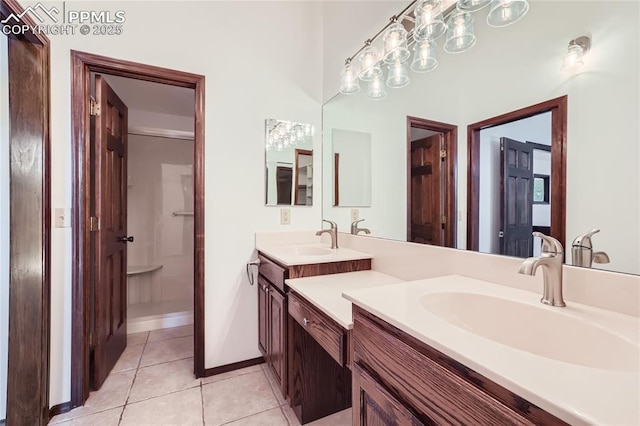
{"x": 298, "y": 153}
{"x": 558, "y": 108}
{"x": 82, "y": 64}
{"x": 450, "y": 136}
{"x": 30, "y": 230}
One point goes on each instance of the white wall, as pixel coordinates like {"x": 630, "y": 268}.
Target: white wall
{"x": 508, "y": 69}
{"x": 160, "y": 176}
{"x": 4, "y": 222}
{"x": 261, "y": 60}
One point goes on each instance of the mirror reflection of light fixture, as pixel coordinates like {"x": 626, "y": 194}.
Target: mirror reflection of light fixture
{"x": 424, "y": 57}
{"x": 284, "y": 134}
{"x": 395, "y": 43}
{"x": 349, "y": 82}
{"x": 369, "y": 63}
{"x": 429, "y": 21}
{"x": 506, "y": 12}
{"x": 472, "y": 5}
{"x": 460, "y": 36}
{"x": 376, "y": 90}
{"x": 573, "y": 57}
{"x": 398, "y": 75}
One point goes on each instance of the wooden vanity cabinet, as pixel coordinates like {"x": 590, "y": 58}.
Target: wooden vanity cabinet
{"x": 399, "y": 380}
{"x": 272, "y": 319}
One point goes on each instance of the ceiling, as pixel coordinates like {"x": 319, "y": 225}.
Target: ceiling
{"x": 153, "y": 97}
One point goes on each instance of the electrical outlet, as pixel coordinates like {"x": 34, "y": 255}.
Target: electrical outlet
{"x": 355, "y": 215}
{"x": 285, "y": 216}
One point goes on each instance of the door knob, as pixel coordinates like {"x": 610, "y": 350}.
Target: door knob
{"x": 126, "y": 239}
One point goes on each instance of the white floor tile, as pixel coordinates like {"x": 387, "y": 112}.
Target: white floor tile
{"x": 182, "y": 408}
{"x": 170, "y": 333}
{"x": 231, "y": 374}
{"x": 162, "y": 379}
{"x": 167, "y": 350}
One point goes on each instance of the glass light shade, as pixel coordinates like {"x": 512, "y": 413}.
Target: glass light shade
{"x": 429, "y": 21}
{"x": 398, "y": 75}
{"x": 424, "y": 56}
{"x": 472, "y": 5}
{"x": 573, "y": 59}
{"x": 460, "y": 36}
{"x": 369, "y": 64}
{"x": 506, "y": 12}
{"x": 376, "y": 90}
{"x": 349, "y": 83}
{"x": 395, "y": 43}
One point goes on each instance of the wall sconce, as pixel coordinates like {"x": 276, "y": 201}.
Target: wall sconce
{"x": 573, "y": 58}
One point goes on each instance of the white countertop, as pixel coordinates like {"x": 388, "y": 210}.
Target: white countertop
{"x": 325, "y": 291}
{"x": 573, "y": 393}
{"x": 289, "y": 255}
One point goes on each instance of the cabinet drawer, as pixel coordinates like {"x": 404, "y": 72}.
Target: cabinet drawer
{"x": 275, "y": 273}
{"x": 322, "y": 328}
{"x": 439, "y": 395}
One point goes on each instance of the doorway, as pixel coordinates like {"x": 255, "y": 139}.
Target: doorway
{"x": 87, "y": 228}
{"x": 546, "y": 187}
{"x": 431, "y": 193}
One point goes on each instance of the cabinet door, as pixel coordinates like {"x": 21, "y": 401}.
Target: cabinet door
{"x": 373, "y": 405}
{"x": 263, "y": 317}
{"x": 277, "y": 335}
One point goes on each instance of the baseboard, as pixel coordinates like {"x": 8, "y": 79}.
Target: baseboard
{"x": 60, "y": 409}
{"x": 234, "y": 366}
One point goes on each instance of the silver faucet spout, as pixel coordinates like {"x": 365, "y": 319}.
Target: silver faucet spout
{"x": 332, "y": 231}
{"x": 355, "y": 230}
{"x": 551, "y": 262}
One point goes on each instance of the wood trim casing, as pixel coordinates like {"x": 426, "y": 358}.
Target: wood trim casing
{"x": 558, "y": 108}
{"x": 29, "y": 224}
{"x": 65, "y": 407}
{"x": 233, "y": 366}
{"x": 82, "y": 64}
{"x": 450, "y": 133}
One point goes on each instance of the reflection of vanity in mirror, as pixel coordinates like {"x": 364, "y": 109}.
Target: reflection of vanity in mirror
{"x": 289, "y": 163}
{"x": 510, "y": 69}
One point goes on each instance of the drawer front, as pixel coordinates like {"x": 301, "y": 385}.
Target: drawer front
{"x": 329, "y": 335}
{"x": 275, "y": 273}
{"x": 441, "y": 396}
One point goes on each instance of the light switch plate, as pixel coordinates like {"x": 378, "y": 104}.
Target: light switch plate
{"x": 355, "y": 215}
{"x": 285, "y": 216}
{"x": 62, "y": 217}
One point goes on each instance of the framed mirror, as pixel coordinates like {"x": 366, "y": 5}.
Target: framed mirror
{"x": 288, "y": 163}
{"x": 510, "y": 69}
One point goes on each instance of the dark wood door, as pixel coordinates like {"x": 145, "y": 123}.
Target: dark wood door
{"x": 516, "y": 198}
{"x": 284, "y": 185}
{"x": 263, "y": 317}
{"x": 277, "y": 335}
{"x": 110, "y": 301}
{"x": 427, "y": 204}
{"x": 373, "y": 405}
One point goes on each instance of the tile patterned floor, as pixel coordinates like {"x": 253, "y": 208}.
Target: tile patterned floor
{"x": 153, "y": 384}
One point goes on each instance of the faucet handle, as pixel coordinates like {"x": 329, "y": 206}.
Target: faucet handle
{"x": 332, "y": 223}
{"x": 355, "y": 222}
{"x": 584, "y": 240}
{"x": 549, "y": 244}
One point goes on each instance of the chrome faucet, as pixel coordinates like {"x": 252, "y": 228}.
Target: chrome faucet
{"x": 582, "y": 253}
{"x": 333, "y": 231}
{"x": 355, "y": 230}
{"x": 551, "y": 262}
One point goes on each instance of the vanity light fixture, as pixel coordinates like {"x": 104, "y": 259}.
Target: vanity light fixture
{"x": 506, "y": 12}
{"x": 460, "y": 36}
{"x": 419, "y": 24}
{"x": 573, "y": 58}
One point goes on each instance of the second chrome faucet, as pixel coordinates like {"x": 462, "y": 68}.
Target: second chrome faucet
{"x": 551, "y": 261}
{"x": 333, "y": 232}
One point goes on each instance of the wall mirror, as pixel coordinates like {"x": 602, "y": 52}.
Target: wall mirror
{"x": 288, "y": 163}
{"x": 351, "y": 153}
{"x": 509, "y": 69}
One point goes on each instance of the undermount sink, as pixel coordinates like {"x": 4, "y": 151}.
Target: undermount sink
{"x": 543, "y": 331}
{"x": 312, "y": 251}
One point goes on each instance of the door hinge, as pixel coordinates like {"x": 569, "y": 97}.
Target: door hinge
{"x": 93, "y": 339}
{"x": 443, "y": 153}
{"x": 444, "y": 219}
{"x": 94, "y": 223}
{"x": 94, "y": 108}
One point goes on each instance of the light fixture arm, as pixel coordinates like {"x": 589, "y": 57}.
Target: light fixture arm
{"x": 583, "y": 41}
